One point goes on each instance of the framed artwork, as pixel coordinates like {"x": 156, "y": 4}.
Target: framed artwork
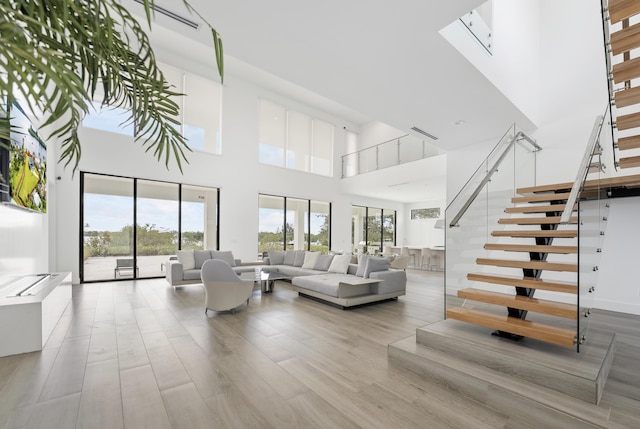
{"x": 431, "y": 213}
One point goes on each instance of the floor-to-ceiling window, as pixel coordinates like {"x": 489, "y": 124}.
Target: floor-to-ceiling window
{"x": 293, "y": 224}
{"x": 167, "y": 217}
{"x": 372, "y": 229}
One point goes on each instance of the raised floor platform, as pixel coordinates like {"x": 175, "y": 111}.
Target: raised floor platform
{"x": 522, "y": 378}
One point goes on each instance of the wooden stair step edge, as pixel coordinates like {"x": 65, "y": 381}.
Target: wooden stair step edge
{"x": 533, "y": 265}
{"x": 622, "y": 9}
{"x": 627, "y": 70}
{"x": 550, "y": 220}
{"x": 541, "y": 198}
{"x": 553, "y": 187}
{"x": 627, "y": 97}
{"x": 632, "y": 142}
{"x": 551, "y": 308}
{"x": 632, "y": 120}
{"x": 539, "y": 331}
{"x": 630, "y": 162}
{"x": 526, "y": 282}
{"x": 538, "y": 208}
{"x": 531, "y": 248}
{"x": 563, "y": 233}
{"x": 626, "y": 39}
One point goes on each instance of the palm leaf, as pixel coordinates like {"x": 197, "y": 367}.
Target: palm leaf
{"x": 55, "y": 54}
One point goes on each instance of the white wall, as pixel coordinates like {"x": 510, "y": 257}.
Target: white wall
{"x": 421, "y": 232}
{"x": 377, "y": 132}
{"x": 24, "y": 242}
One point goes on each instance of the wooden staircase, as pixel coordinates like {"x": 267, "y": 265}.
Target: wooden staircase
{"x": 625, "y": 70}
{"x": 537, "y": 215}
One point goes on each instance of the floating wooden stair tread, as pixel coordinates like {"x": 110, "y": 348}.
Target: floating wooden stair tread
{"x": 551, "y": 220}
{"x": 610, "y": 182}
{"x": 622, "y": 9}
{"x": 538, "y": 209}
{"x": 630, "y": 162}
{"x": 540, "y": 198}
{"x": 627, "y": 143}
{"x": 564, "y": 233}
{"x": 627, "y": 97}
{"x": 625, "y": 40}
{"x": 533, "y": 265}
{"x": 627, "y": 70}
{"x": 538, "y": 331}
{"x": 551, "y": 308}
{"x": 526, "y": 282}
{"x": 632, "y": 120}
{"x": 531, "y": 248}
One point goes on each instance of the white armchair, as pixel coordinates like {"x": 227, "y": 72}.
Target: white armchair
{"x": 223, "y": 289}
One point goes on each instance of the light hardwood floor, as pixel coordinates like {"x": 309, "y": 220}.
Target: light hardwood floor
{"x": 141, "y": 355}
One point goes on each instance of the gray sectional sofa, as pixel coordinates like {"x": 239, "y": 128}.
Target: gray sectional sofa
{"x": 330, "y": 278}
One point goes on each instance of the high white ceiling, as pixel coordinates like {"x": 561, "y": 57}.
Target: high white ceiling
{"x": 364, "y": 60}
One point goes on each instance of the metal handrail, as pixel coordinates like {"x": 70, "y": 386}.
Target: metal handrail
{"x": 516, "y": 137}
{"x": 583, "y": 170}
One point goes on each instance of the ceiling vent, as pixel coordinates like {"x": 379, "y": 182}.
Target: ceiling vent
{"x": 173, "y": 15}
{"x": 424, "y": 133}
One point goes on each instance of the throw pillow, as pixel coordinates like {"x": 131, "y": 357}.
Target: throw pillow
{"x": 376, "y": 264}
{"x": 226, "y": 255}
{"x": 310, "y": 259}
{"x": 340, "y": 264}
{"x": 186, "y": 258}
{"x": 299, "y": 260}
{"x": 323, "y": 263}
{"x": 289, "y": 257}
{"x": 201, "y": 256}
{"x": 276, "y": 257}
{"x": 362, "y": 264}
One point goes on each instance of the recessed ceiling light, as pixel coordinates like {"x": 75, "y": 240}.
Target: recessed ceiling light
{"x": 459, "y": 122}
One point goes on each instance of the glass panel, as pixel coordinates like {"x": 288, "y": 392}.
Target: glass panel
{"x": 374, "y": 231}
{"x": 157, "y": 226}
{"x": 411, "y": 149}
{"x": 107, "y": 225}
{"x": 199, "y": 218}
{"x": 320, "y": 227}
{"x": 472, "y": 218}
{"x": 202, "y": 113}
{"x": 111, "y": 119}
{"x": 270, "y": 223}
{"x": 388, "y": 228}
{"x": 358, "y": 229}
{"x": 350, "y": 165}
{"x": 298, "y": 141}
{"x": 297, "y": 224}
{"x": 273, "y": 126}
{"x": 368, "y": 160}
{"x": 388, "y": 154}
{"x": 322, "y": 151}
{"x": 478, "y": 22}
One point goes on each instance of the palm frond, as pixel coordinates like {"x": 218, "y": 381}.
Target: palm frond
{"x": 56, "y": 54}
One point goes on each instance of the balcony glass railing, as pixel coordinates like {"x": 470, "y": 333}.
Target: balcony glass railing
{"x": 387, "y": 154}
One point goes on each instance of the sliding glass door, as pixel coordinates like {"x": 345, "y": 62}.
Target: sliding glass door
{"x": 167, "y": 217}
{"x": 372, "y": 229}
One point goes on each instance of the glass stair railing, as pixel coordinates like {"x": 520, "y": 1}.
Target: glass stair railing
{"x": 509, "y": 239}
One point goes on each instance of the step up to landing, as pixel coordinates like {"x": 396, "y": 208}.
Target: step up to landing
{"x": 528, "y": 366}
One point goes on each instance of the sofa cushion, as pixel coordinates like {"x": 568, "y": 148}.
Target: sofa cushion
{"x": 201, "y": 256}
{"x": 289, "y": 258}
{"x": 310, "y": 259}
{"x": 323, "y": 263}
{"x": 340, "y": 264}
{"x": 187, "y": 259}
{"x": 299, "y": 259}
{"x": 375, "y": 264}
{"x": 276, "y": 257}
{"x": 226, "y": 255}
{"x": 362, "y": 264}
{"x": 191, "y": 274}
{"x": 327, "y": 284}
